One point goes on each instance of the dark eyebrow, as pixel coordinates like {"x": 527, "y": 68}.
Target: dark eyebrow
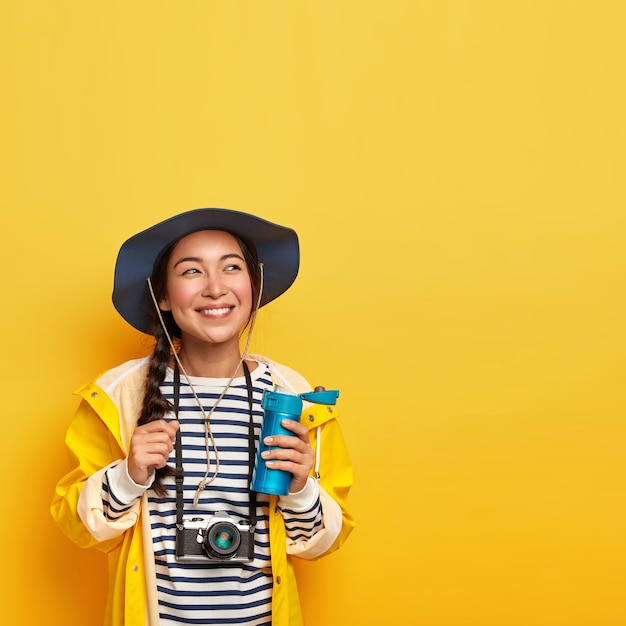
{"x": 197, "y": 259}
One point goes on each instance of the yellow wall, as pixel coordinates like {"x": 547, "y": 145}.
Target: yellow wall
{"x": 456, "y": 172}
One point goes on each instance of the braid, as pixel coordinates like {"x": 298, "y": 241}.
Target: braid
{"x": 155, "y": 405}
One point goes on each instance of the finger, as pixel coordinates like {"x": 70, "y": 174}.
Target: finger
{"x": 160, "y": 460}
{"x": 295, "y": 427}
{"x": 297, "y": 470}
{"x": 159, "y": 427}
{"x": 153, "y": 442}
{"x": 282, "y": 454}
{"x": 285, "y": 443}
{"x": 288, "y": 459}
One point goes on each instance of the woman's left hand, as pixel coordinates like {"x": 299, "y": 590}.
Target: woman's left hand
{"x": 293, "y": 454}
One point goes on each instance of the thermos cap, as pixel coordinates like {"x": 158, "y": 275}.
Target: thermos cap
{"x": 321, "y": 397}
{"x": 282, "y": 400}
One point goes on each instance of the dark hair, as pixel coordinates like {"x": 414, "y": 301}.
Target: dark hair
{"x": 155, "y": 405}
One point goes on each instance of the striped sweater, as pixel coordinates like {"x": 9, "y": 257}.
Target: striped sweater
{"x": 209, "y": 592}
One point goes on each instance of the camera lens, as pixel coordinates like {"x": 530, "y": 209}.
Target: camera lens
{"x": 222, "y": 540}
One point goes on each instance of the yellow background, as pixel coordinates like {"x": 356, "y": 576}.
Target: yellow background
{"x": 455, "y": 170}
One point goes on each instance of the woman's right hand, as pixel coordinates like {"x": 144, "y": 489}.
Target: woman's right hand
{"x": 150, "y": 447}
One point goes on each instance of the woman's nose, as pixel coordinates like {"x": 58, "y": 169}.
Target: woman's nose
{"x": 213, "y": 287}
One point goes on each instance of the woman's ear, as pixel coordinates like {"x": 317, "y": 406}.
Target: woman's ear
{"x": 164, "y": 304}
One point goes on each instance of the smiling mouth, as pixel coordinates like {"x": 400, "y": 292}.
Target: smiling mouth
{"x": 216, "y": 312}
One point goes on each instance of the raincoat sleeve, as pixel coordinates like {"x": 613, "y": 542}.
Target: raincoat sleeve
{"x": 335, "y": 479}
{"x": 77, "y": 506}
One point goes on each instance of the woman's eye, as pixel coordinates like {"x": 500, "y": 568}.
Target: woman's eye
{"x": 233, "y": 268}
{"x": 191, "y": 270}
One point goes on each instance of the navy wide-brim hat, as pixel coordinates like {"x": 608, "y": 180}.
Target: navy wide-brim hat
{"x": 277, "y": 248}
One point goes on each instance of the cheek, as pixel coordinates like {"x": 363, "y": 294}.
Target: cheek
{"x": 179, "y": 294}
{"x": 245, "y": 291}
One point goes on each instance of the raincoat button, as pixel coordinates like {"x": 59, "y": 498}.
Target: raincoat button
{"x": 278, "y": 580}
{"x": 311, "y": 418}
{"x": 135, "y": 568}
{"x": 94, "y": 394}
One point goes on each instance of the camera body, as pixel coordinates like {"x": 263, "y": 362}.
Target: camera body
{"x": 218, "y": 539}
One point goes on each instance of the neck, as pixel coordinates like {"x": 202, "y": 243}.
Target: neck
{"x": 219, "y": 362}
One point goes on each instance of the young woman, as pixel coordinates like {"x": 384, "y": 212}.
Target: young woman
{"x": 163, "y": 448}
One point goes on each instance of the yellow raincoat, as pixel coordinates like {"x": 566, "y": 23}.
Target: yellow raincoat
{"x": 99, "y": 436}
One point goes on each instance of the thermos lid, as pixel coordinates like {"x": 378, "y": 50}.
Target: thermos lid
{"x": 322, "y": 396}
{"x": 282, "y": 399}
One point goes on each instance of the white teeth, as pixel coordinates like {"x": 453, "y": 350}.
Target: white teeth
{"x": 221, "y": 311}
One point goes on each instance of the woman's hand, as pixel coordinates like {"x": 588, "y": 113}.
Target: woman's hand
{"x": 150, "y": 447}
{"x": 293, "y": 454}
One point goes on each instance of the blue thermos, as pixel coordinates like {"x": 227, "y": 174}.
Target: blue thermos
{"x": 279, "y": 405}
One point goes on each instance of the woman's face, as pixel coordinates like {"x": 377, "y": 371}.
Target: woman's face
{"x": 208, "y": 288}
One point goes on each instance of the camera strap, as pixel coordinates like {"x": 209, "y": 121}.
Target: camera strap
{"x": 179, "y": 451}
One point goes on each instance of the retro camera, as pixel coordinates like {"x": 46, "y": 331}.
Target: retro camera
{"x": 217, "y": 538}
